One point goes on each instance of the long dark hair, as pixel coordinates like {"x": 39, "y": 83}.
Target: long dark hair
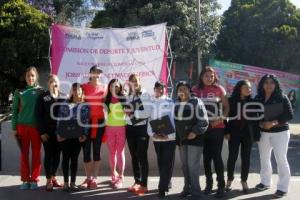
{"x": 203, "y": 71}
{"x": 236, "y": 93}
{"x": 75, "y": 86}
{"x": 277, "y": 93}
{"x": 120, "y": 94}
{"x": 22, "y": 79}
{"x": 183, "y": 83}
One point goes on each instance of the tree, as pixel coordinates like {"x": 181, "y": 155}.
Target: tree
{"x": 261, "y": 33}
{"x": 24, "y": 41}
{"x": 71, "y": 12}
{"x": 180, "y": 14}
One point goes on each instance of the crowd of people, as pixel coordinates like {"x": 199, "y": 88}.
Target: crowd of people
{"x": 198, "y": 120}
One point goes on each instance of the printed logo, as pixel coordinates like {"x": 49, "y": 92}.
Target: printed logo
{"x": 73, "y": 35}
{"x": 94, "y": 35}
{"x": 132, "y": 36}
{"x": 47, "y": 98}
{"x": 148, "y": 33}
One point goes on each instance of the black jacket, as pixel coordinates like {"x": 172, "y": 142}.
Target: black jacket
{"x": 45, "y": 123}
{"x": 240, "y": 122}
{"x": 191, "y": 117}
{"x": 287, "y": 113}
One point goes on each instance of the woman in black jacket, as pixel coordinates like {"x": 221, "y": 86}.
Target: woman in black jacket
{"x": 237, "y": 132}
{"x": 46, "y": 112}
{"x": 191, "y": 122}
{"x": 275, "y": 134}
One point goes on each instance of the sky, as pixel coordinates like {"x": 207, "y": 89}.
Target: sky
{"x": 226, "y": 3}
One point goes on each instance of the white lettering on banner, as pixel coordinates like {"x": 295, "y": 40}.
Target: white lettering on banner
{"x": 118, "y": 52}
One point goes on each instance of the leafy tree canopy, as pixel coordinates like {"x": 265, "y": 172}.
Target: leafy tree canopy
{"x": 24, "y": 40}
{"x": 261, "y": 33}
{"x": 181, "y": 15}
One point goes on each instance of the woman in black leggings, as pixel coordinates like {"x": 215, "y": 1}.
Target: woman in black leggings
{"x": 71, "y": 146}
{"x": 216, "y": 103}
{"x": 136, "y": 133}
{"x": 47, "y": 125}
{"x": 238, "y": 134}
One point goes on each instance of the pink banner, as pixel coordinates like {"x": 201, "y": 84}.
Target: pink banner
{"x": 119, "y": 52}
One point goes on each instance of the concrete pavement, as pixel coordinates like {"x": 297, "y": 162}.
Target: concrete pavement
{"x": 9, "y": 178}
{"x": 9, "y": 190}
{"x": 9, "y": 184}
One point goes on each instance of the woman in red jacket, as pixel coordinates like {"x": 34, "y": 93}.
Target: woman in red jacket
{"x": 95, "y": 93}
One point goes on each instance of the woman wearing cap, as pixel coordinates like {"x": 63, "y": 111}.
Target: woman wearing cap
{"x": 191, "y": 123}
{"x": 95, "y": 93}
{"x": 164, "y": 143}
{"x": 216, "y": 103}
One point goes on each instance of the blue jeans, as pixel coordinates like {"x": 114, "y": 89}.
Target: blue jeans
{"x": 190, "y": 158}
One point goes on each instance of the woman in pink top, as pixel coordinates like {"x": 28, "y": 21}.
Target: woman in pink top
{"x": 214, "y": 97}
{"x": 95, "y": 93}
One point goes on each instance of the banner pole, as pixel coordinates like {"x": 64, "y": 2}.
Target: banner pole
{"x": 170, "y": 63}
{"x": 49, "y": 49}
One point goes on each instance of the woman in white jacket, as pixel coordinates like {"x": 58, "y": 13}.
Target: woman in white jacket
{"x": 164, "y": 143}
{"x": 137, "y": 109}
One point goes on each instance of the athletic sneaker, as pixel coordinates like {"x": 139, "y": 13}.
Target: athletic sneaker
{"x": 261, "y": 187}
{"x": 66, "y": 187}
{"x": 93, "y": 184}
{"x": 279, "y": 194}
{"x": 114, "y": 179}
{"x": 119, "y": 183}
{"x": 141, "y": 191}
{"x": 183, "y": 194}
{"x": 134, "y": 187}
{"x": 25, "y": 186}
{"x": 49, "y": 187}
{"x": 56, "y": 183}
{"x": 86, "y": 183}
{"x": 33, "y": 185}
{"x": 73, "y": 187}
{"x": 161, "y": 195}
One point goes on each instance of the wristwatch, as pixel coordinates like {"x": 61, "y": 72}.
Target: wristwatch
{"x": 274, "y": 123}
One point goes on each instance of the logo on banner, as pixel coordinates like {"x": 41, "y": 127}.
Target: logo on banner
{"x": 94, "y": 35}
{"x": 148, "y": 33}
{"x": 132, "y": 36}
{"x": 73, "y": 35}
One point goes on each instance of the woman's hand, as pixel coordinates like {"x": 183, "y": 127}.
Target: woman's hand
{"x": 128, "y": 111}
{"x": 15, "y": 133}
{"x": 191, "y": 136}
{"x": 160, "y": 136}
{"x": 44, "y": 137}
{"x": 268, "y": 124}
{"x": 216, "y": 122}
{"x": 227, "y": 137}
{"x": 60, "y": 139}
{"x": 82, "y": 138}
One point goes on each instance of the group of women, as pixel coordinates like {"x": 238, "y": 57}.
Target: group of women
{"x": 201, "y": 117}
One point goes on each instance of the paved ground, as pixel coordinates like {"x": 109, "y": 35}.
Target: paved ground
{"x": 9, "y": 190}
{"x": 9, "y": 182}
